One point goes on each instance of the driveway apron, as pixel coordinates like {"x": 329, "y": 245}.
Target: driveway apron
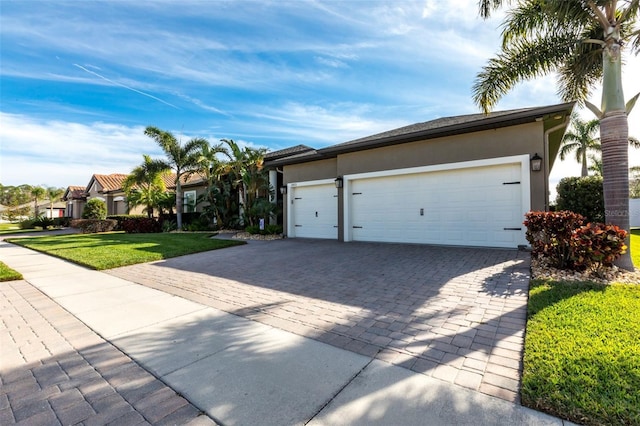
{"x": 455, "y": 314}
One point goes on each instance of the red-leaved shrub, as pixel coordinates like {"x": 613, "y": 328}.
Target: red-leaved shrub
{"x": 141, "y": 225}
{"x": 549, "y": 234}
{"x": 92, "y": 226}
{"x": 596, "y": 246}
{"x": 563, "y": 240}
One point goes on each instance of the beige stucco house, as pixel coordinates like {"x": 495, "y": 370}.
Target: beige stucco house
{"x": 465, "y": 180}
{"x": 108, "y": 188}
{"x": 75, "y": 198}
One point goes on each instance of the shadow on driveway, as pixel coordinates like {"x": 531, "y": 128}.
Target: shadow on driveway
{"x": 456, "y": 314}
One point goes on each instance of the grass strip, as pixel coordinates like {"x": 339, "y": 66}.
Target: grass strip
{"x": 581, "y": 358}
{"x": 8, "y": 274}
{"x": 115, "y": 249}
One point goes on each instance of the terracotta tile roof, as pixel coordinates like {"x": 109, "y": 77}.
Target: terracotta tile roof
{"x": 74, "y": 192}
{"x": 110, "y": 182}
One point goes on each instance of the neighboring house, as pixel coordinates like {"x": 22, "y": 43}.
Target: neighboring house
{"x": 634, "y": 212}
{"x": 108, "y": 188}
{"x": 75, "y": 197}
{"x": 58, "y": 209}
{"x": 464, "y": 180}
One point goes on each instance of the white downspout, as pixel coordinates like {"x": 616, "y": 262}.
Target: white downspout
{"x": 546, "y": 158}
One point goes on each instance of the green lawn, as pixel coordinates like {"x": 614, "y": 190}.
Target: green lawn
{"x": 582, "y": 350}
{"x": 111, "y": 250}
{"x": 8, "y": 274}
{"x": 635, "y": 247}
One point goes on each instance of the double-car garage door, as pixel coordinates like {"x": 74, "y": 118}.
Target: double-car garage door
{"x": 473, "y": 206}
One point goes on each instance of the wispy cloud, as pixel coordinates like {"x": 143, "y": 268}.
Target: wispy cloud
{"x": 115, "y": 83}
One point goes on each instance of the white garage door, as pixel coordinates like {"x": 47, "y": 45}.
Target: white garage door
{"x": 314, "y": 211}
{"x": 479, "y": 206}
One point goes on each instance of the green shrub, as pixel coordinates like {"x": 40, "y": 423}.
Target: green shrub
{"x": 582, "y": 195}
{"x": 62, "y": 221}
{"x": 169, "y": 225}
{"x": 95, "y": 209}
{"x": 596, "y": 246}
{"x": 92, "y": 226}
{"x": 43, "y": 222}
{"x": 549, "y": 234}
{"x": 27, "y": 224}
{"x": 268, "y": 229}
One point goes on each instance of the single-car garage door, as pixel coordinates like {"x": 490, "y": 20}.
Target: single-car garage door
{"x": 313, "y": 211}
{"x": 475, "y": 206}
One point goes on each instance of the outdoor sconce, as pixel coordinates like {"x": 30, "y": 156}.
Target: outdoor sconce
{"x": 536, "y": 163}
{"x": 283, "y": 190}
{"x": 339, "y": 182}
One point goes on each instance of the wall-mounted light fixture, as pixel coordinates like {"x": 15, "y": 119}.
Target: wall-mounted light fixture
{"x": 536, "y": 163}
{"x": 339, "y": 182}
{"x": 283, "y": 189}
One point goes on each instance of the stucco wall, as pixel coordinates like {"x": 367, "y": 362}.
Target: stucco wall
{"x": 515, "y": 140}
{"x": 504, "y": 142}
{"x": 634, "y": 212}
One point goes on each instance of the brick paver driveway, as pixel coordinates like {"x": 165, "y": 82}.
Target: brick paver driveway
{"x": 457, "y": 314}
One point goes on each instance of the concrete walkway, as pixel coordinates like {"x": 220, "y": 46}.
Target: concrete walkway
{"x": 237, "y": 371}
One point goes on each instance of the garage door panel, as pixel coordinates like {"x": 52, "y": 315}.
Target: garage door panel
{"x": 460, "y": 207}
{"x": 315, "y": 211}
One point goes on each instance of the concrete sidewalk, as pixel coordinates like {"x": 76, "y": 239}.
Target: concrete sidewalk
{"x": 242, "y": 372}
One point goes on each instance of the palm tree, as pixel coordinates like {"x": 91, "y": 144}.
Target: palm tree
{"x": 582, "y": 40}
{"x": 54, "y": 194}
{"x": 244, "y": 166}
{"x": 145, "y": 183}
{"x": 595, "y": 165}
{"x": 581, "y": 140}
{"x": 182, "y": 159}
{"x": 37, "y": 193}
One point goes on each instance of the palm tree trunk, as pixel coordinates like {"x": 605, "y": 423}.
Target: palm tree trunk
{"x": 585, "y": 172}
{"x": 178, "y": 203}
{"x": 614, "y": 136}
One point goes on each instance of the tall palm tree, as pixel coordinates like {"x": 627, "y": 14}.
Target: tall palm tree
{"x": 37, "y": 194}
{"x": 580, "y": 139}
{"x": 595, "y": 164}
{"x": 182, "y": 159}
{"x": 245, "y": 167}
{"x": 145, "y": 183}
{"x": 54, "y": 194}
{"x": 582, "y": 40}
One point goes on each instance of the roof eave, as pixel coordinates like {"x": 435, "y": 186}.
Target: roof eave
{"x": 488, "y": 123}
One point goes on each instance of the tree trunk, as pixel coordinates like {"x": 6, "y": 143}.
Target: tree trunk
{"x": 178, "y": 203}
{"x": 585, "y": 172}
{"x": 615, "y": 165}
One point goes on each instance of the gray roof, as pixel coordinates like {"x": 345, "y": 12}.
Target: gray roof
{"x": 437, "y": 128}
{"x": 287, "y": 152}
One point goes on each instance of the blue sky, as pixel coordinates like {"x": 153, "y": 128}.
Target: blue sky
{"x": 80, "y": 80}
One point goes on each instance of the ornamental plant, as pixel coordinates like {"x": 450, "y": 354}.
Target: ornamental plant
{"x": 141, "y": 225}
{"x": 596, "y": 246}
{"x": 550, "y": 233}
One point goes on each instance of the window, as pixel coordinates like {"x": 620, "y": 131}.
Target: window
{"x": 189, "y": 202}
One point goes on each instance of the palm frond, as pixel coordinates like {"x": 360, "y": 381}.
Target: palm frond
{"x": 522, "y": 60}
